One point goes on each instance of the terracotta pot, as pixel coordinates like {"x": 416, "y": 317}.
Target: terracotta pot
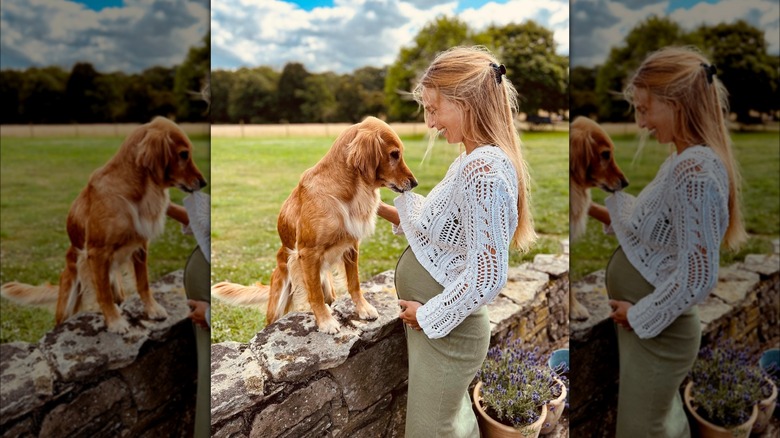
{"x": 490, "y": 428}
{"x": 555, "y": 410}
{"x": 765, "y": 409}
{"x": 710, "y": 430}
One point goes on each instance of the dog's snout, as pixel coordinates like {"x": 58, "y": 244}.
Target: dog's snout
{"x": 413, "y": 183}
{"x": 202, "y": 182}
{"x": 623, "y": 183}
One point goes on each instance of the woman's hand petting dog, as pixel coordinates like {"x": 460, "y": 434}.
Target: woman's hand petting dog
{"x": 620, "y": 313}
{"x": 409, "y": 313}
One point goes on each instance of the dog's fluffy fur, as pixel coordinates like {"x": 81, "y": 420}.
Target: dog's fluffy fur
{"x": 112, "y": 221}
{"x": 322, "y": 222}
{"x": 591, "y": 164}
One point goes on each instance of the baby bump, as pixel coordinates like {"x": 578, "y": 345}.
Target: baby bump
{"x": 412, "y": 281}
{"x": 623, "y": 281}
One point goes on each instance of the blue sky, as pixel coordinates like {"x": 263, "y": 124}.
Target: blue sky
{"x": 96, "y": 5}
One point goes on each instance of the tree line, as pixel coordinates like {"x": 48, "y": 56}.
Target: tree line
{"x": 738, "y": 50}
{"x": 84, "y": 95}
{"x": 295, "y": 95}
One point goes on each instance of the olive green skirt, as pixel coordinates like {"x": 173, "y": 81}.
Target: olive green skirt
{"x": 440, "y": 370}
{"x": 197, "y": 285}
{"x": 651, "y": 370}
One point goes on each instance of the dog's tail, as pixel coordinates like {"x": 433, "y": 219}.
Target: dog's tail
{"x": 237, "y": 294}
{"x": 44, "y": 295}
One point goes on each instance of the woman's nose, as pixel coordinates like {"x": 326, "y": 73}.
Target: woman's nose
{"x": 430, "y": 121}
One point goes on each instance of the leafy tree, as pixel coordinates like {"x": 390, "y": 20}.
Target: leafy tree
{"x": 221, "y": 84}
{"x": 441, "y": 34}
{"x": 648, "y": 36}
{"x": 739, "y": 51}
{"x": 42, "y": 96}
{"x": 583, "y": 92}
{"x": 10, "y": 85}
{"x": 539, "y": 74}
{"x": 150, "y": 94}
{"x": 361, "y": 94}
{"x": 292, "y": 83}
{"x": 81, "y": 94}
{"x": 252, "y": 96}
{"x": 190, "y": 79}
{"x": 319, "y": 102}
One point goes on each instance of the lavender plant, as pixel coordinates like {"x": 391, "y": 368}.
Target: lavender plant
{"x": 726, "y": 385}
{"x": 516, "y": 384}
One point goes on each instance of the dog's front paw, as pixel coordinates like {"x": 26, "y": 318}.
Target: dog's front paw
{"x": 329, "y": 326}
{"x": 119, "y": 326}
{"x": 367, "y": 311}
{"x": 156, "y": 312}
{"x": 577, "y": 311}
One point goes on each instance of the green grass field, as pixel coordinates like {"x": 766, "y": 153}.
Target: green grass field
{"x": 39, "y": 179}
{"x": 759, "y": 159}
{"x": 253, "y": 176}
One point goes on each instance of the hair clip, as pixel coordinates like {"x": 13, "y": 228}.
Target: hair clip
{"x": 500, "y": 70}
{"x": 711, "y": 71}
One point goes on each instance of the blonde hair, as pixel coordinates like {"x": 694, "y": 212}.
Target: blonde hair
{"x": 469, "y": 78}
{"x": 684, "y": 78}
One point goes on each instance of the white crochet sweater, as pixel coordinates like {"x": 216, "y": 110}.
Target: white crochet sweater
{"x": 460, "y": 233}
{"x": 671, "y": 233}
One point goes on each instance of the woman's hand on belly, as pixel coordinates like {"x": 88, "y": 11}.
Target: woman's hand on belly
{"x": 620, "y": 313}
{"x": 409, "y": 313}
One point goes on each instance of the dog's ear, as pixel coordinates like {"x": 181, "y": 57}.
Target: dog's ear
{"x": 154, "y": 150}
{"x": 364, "y": 152}
{"x": 580, "y": 155}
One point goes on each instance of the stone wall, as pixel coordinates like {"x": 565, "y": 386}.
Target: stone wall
{"x": 80, "y": 380}
{"x": 292, "y": 381}
{"x": 745, "y": 306}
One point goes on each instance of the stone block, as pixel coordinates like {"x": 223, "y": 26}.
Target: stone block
{"x": 26, "y": 380}
{"x": 523, "y": 285}
{"x": 237, "y": 380}
{"x": 81, "y": 347}
{"x": 292, "y": 348}
{"x": 104, "y": 410}
{"x": 386, "y": 302}
{"x": 555, "y": 265}
{"x": 591, "y": 292}
{"x": 277, "y": 418}
{"x": 232, "y": 429}
{"x": 712, "y": 309}
{"x": 734, "y": 284}
{"x": 501, "y": 311}
{"x": 367, "y": 376}
{"x": 764, "y": 264}
{"x": 154, "y": 378}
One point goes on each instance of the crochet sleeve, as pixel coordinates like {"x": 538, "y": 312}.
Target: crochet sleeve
{"x": 490, "y": 220}
{"x": 700, "y": 216}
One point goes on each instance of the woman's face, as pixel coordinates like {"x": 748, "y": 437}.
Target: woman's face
{"x": 654, "y": 115}
{"x": 442, "y": 114}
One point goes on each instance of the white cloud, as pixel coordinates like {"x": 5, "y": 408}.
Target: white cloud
{"x": 141, "y": 34}
{"x": 764, "y": 14}
{"x": 599, "y": 25}
{"x": 352, "y": 33}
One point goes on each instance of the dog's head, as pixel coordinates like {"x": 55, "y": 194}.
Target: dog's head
{"x": 376, "y": 152}
{"x": 591, "y": 158}
{"x": 166, "y": 152}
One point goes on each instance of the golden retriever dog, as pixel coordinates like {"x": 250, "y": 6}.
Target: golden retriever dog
{"x": 591, "y": 164}
{"x": 322, "y": 222}
{"x": 112, "y": 220}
